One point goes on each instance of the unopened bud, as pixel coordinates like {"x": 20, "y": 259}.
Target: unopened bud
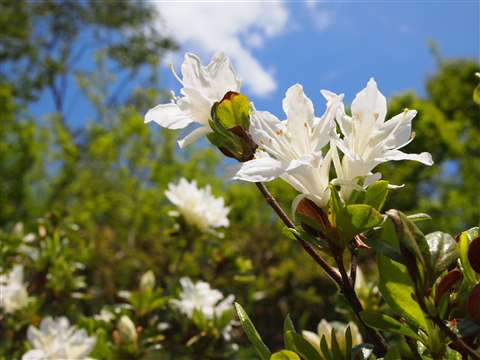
{"x": 127, "y": 330}
{"x": 230, "y": 124}
{"x": 147, "y": 281}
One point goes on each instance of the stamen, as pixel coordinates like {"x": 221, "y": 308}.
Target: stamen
{"x": 305, "y": 124}
{"x": 262, "y": 142}
{"x": 375, "y": 116}
{"x": 270, "y": 140}
{"x": 280, "y": 132}
{"x": 175, "y": 74}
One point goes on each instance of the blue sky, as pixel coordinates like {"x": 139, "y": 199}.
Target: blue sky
{"x": 333, "y": 45}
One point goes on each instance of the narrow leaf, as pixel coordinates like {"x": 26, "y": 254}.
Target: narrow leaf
{"x": 252, "y": 334}
{"x": 288, "y": 327}
{"x": 419, "y": 217}
{"x": 304, "y": 348}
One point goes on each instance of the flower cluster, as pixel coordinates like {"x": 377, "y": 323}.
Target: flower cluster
{"x": 56, "y": 339}
{"x": 14, "y": 295}
{"x": 303, "y": 148}
{"x": 198, "y": 206}
{"x": 200, "y": 296}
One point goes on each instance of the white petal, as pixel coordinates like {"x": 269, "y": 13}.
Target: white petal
{"x": 264, "y": 169}
{"x": 193, "y": 136}
{"x": 369, "y": 102}
{"x": 424, "y": 158}
{"x": 299, "y": 110}
{"x": 168, "y": 115}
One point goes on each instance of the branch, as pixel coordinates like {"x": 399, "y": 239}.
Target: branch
{"x": 343, "y": 281}
{"x": 289, "y": 223}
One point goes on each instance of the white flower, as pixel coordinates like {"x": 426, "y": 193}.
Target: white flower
{"x": 198, "y": 206}
{"x": 201, "y": 297}
{"x": 13, "y": 291}
{"x": 369, "y": 140}
{"x": 56, "y": 339}
{"x": 202, "y": 87}
{"x": 292, "y": 149}
{"x": 325, "y": 329}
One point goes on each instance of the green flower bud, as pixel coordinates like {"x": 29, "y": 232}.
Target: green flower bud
{"x": 230, "y": 124}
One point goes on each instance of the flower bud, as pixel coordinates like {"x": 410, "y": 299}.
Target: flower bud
{"x": 147, "y": 281}
{"x": 230, "y": 124}
{"x": 127, "y": 330}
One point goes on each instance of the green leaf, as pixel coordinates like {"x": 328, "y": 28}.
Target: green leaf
{"x": 285, "y": 355}
{"x": 384, "y": 322}
{"x": 325, "y": 350}
{"x": 397, "y": 289}
{"x": 443, "y": 250}
{"x": 252, "y": 334}
{"x": 336, "y": 353}
{"x": 363, "y": 217}
{"x": 376, "y": 194}
{"x": 393, "y": 354}
{"x": 410, "y": 236}
{"x": 466, "y": 238}
{"x": 303, "y": 347}
{"x": 288, "y": 326}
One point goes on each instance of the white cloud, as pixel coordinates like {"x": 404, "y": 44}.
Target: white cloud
{"x": 236, "y": 27}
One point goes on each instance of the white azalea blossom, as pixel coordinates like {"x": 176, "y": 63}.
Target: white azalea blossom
{"x": 13, "y": 291}
{"x": 324, "y": 328}
{"x": 198, "y": 206}
{"x": 369, "y": 140}
{"x": 202, "y": 297}
{"x": 56, "y": 339}
{"x": 202, "y": 87}
{"x": 292, "y": 149}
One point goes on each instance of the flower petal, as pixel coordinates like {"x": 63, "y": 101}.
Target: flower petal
{"x": 370, "y": 103}
{"x": 193, "y": 136}
{"x": 168, "y": 115}
{"x": 424, "y": 158}
{"x": 263, "y": 169}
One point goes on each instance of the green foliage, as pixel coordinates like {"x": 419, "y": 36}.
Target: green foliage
{"x": 447, "y": 120}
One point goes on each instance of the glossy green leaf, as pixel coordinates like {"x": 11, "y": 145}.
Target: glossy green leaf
{"x": 410, "y": 236}
{"x": 335, "y": 348}
{"x": 376, "y": 194}
{"x": 325, "y": 350}
{"x": 252, "y": 333}
{"x": 443, "y": 250}
{"x": 397, "y": 289}
{"x": 363, "y": 217}
{"x": 285, "y": 355}
{"x": 384, "y": 322}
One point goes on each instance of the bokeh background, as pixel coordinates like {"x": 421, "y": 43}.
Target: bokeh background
{"x": 78, "y": 77}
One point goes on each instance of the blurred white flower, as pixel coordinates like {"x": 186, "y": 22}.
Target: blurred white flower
{"x": 292, "y": 149}
{"x": 56, "y": 339}
{"x": 202, "y": 297}
{"x": 13, "y": 291}
{"x": 198, "y": 206}
{"x": 324, "y": 328}
{"x": 202, "y": 86}
{"x": 369, "y": 140}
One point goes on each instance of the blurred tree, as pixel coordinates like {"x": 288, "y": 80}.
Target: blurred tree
{"x": 44, "y": 46}
{"x": 447, "y": 125}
